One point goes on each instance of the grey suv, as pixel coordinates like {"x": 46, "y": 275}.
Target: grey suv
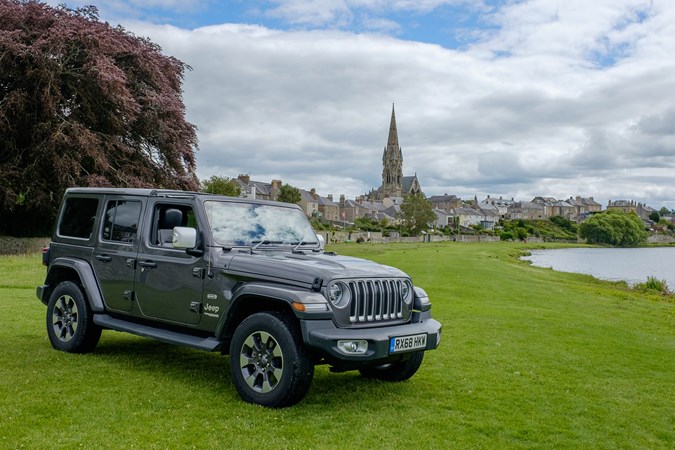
{"x": 246, "y": 278}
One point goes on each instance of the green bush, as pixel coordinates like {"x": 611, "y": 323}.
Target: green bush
{"x": 655, "y": 285}
{"x": 614, "y": 228}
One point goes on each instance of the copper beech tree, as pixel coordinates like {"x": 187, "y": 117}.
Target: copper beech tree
{"x": 83, "y": 103}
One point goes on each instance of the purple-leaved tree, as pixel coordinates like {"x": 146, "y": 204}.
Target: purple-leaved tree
{"x": 83, "y": 103}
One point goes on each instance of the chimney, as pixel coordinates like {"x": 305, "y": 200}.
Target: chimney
{"x": 313, "y": 193}
{"x": 246, "y": 178}
{"x": 276, "y": 184}
{"x": 342, "y": 200}
{"x": 330, "y": 197}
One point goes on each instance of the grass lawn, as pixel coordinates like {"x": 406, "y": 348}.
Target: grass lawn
{"x": 530, "y": 358}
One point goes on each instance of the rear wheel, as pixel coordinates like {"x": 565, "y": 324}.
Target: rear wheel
{"x": 268, "y": 361}
{"x": 70, "y": 325}
{"x": 397, "y": 371}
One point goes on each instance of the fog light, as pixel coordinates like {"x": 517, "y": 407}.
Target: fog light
{"x": 353, "y": 347}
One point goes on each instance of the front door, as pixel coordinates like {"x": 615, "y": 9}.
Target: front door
{"x": 169, "y": 282}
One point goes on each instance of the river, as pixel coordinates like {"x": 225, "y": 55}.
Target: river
{"x": 633, "y": 265}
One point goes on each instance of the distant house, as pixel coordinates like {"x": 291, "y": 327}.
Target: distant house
{"x": 624, "y": 206}
{"x": 445, "y": 202}
{"x": 350, "y": 210}
{"x": 500, "y": 203}
{"x": 257, "y": 189}
{"x": 443, "y": 218}
{"x": 309, "y": 202}
{"x": 526, "y": 210}
{"x": 466, "y": 217}
{"x": 583, "y": 207}
{"x": 329, "y": 210}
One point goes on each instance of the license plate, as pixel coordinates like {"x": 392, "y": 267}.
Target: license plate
{"x": 407, "y": 343}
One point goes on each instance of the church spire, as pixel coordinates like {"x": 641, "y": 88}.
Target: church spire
{"x": 392, "y": 162}
{"x": 393, "y": 133}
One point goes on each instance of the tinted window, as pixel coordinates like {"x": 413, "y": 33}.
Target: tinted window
{"x": 121, "y": 220}
{"x": 78, "y": 217}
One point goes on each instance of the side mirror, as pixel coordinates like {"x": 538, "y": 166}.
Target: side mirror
{"x": 184, "y": 238}
{"x": 322, "y": 241}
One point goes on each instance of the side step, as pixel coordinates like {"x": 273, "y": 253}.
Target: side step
{"x": 209, "y": 344}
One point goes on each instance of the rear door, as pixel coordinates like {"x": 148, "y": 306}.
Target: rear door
{"x": 116, "y": 253}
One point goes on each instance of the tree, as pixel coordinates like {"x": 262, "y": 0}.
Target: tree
{"x": 83, "y": 104}
{"x": 614, "y": 228}
{"x": 664, "y": 211}
{"x": 289, "y": 194}
{"x": 654, "y": 217}
{"x": 417, "y": 213}
{"x": 221, "y": 185}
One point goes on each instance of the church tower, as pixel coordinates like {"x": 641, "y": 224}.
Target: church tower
{"x": 392, "y": 162}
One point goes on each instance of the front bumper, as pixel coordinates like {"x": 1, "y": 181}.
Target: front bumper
{"x": 323, "y": 336}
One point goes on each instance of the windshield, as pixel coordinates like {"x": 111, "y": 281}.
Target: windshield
{"x": 235, "y": 224}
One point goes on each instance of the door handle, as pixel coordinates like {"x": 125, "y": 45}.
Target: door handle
{"x": 148, "y": 264}
{"x": 104, "y": 258}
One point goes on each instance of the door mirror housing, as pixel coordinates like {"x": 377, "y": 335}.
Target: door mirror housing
{"x": 184, "y": 238}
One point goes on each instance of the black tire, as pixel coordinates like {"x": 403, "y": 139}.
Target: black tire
{"x": 397, "y": 371}
{"x": 69, "y": 320}
{"x": 268, "y": 361}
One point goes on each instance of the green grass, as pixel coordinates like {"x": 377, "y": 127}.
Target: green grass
{"x": 530, "y": 358}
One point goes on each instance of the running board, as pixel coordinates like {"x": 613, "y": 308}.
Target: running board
{"x": 209, "y": 344}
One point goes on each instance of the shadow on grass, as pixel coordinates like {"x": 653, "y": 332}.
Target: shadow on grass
{"x": 199, "y": 369}
{"x": 210, "y": 372}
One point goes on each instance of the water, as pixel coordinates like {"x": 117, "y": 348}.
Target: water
{"x": 633, "y": 265}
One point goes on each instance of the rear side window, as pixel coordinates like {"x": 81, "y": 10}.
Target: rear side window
{"x": 121, "y": 221}
{"x": 78, "y": 217}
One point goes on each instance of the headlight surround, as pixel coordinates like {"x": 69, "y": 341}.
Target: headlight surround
{"x": 338, "y": 294}
{"x": 407, "y": 292}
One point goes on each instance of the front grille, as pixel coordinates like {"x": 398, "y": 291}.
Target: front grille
{"x": 375, "y": 301}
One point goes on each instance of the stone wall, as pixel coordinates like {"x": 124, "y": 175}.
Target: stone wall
{"x": 17, "y": 246}
{"x": 661, "y": 239}
{"x": 376, "y": 237}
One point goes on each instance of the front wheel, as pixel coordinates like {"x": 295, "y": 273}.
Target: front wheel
{"x": 397, "y": 371}
{"x": 70, "y": 325}
{"x": 268, "y": 361}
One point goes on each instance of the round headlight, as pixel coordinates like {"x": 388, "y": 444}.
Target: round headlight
{"x": 406, "y": 292}
{"x": 338, "y": 294}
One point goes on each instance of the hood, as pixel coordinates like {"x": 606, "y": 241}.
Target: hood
{"x": 305, "y": 268}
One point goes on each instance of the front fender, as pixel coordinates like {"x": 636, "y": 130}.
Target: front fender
{"x": 256, "y": 296}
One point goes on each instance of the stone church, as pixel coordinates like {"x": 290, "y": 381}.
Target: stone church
{"x": 394, "y": 184}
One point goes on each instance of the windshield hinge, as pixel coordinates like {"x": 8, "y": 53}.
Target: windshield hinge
{"x": 316, "y": 285}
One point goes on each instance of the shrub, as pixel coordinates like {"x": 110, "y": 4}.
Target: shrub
{"x": 653, "y": 284}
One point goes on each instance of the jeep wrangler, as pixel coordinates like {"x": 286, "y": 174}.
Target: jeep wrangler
{"x": 243, "y": 277}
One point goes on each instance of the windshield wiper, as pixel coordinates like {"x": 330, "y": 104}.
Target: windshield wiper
{"x": 265, "y": 242}
{"x": 300, "y": 244}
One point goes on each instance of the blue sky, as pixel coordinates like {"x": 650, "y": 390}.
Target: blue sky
{"x": 449, "y": 23}
{"x": 506, "y": 98}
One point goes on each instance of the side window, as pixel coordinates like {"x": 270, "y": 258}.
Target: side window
{"x": 78, "y": 217}
{"x": 121, "y": 221}
{"x": 168, "y": 216}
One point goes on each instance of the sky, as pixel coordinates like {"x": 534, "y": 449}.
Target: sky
{"x": 508, "y": 98}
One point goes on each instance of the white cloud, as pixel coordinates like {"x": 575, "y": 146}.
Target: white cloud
{"x": 559, "y": 98}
